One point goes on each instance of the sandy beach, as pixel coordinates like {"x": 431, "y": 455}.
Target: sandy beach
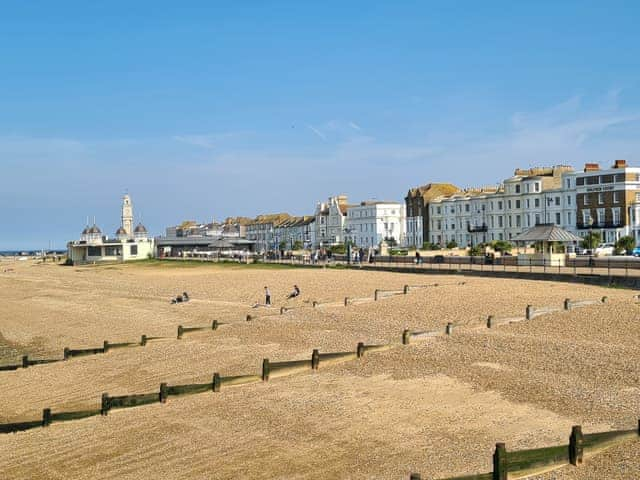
{"x": 436, "y": 407}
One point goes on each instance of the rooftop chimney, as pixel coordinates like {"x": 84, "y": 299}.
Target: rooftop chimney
{"x": 591, "y": 167}
{"x": 620, "y": 164}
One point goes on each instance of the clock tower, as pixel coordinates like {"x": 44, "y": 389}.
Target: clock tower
{"x": 127, "y": 215}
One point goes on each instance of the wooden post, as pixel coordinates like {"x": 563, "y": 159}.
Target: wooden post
{"x": 375, "y": 295}
{"x": 282, "y": 310}
{"x": 105, "y": 346}
{"x": 346, "y": 301}
{"x": 249, "y": 318}
{"x": 360, "y": 350}
{"x": 180, "y": 331}
{"x": 576, "y": 441}
{"x": 500, "y": 462}
{"x": 490, "y": 321}
{"x": 65, "y": 353}
{"x": 567, "y": 304}
{"x": 314, "y": 304}
{"x": 214, "y": 325}
{"x": 415, "y": 476}
{"x": 164, "y": 392}
{"x": 265, "y": 370}
{"x": 406, "y": 336}
{"x": 605, "y": 299}
{"x": 143, "y": 340}
{"x": 528, "y": 313}
{"x": 405, "y": 290}
{"x": 216, "y": 382}
{"x": 25, "y": 361}
{"x": 105, "y": 406}
{"x": 46, "y": 417}
{"x": 449, "y": 329}
{"x": 315, "y": 359}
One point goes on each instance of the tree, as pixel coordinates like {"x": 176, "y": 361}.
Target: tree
{"x": 430, "y": 246}
{"x": 452, "y": 244}
{"x": 625, "y": 244}
{"x": 501, "y": 246}
{"x": 283, "y": 245}
{"x": 297, "y": 245}
{"x": 476, "y": 250}
{"x": 591, "y": 240}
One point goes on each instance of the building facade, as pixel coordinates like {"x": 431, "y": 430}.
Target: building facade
{"x": 608, "y": 201}
{"x": 372, "y": 222}
{"x": 417, "y": 211}
{"x": 528, "y": 198}
{"x": 330, "y": 220}
{"x": 262, "y": 231}
{"x": 297, "y": 231}
{"x": 127, "y": 244}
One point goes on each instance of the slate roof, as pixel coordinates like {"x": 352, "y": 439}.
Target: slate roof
{"x": 547, "y": 232}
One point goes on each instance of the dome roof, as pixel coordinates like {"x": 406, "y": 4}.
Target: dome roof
{"x": 85, "y": 231}
{"x": 94, "y": 229}
{"x": 121, "y": 231}
{"x": 140, "y": 229}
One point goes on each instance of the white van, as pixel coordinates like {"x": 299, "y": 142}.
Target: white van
{"x": 604, "y": 249}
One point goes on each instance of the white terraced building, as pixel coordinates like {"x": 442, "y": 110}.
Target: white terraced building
{"x": 371, "y": 222}
{"x": 531, "y": 197}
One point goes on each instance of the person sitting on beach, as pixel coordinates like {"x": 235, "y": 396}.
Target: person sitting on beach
{"x": 185, "y": 297}
{"x": 295, "y": 293}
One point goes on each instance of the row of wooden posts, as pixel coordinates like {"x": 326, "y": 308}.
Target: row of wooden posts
{"x": 523, "y": 463}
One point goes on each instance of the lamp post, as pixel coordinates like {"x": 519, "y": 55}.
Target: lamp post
{"x": 590, "y": 240}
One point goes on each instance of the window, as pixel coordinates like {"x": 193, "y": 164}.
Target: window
{"x": 536, "y": 202}
{"x": 466, "y": 207}
{"x": 558, "y": 201}
{"x": 527, "y": 203}
{"x": 134, "y": 249}
{"x": 600, "y": 198}
{"x": 536, "y": 187}
{"x": 517, "y": 188}
{"x": 527, "y": 220}
{"x": 568, "y": 218}
{"x": 616, "y": 197}
{"x": 619, "y": 177}
{"x": 500, "y": 221}
{"x": 568, "y": 183}
{"x": 518, "y": 221}
{"x": 580, "y": 181}
{"x": 568, "y": 199}
{"x": 615, "y": 213}
{"x": 537, "y": 219}
{"x": 509, "y": 204}
{"x": 593, "y": 180}
{"x": 94, "y": 251}
{"x": 600, "y": 213}
{"x": 510, "y": 221}
{"x": 585, "y": 199}
{"x": 111, "y": 251}
{"x": 558, "y": 221}
{"x": 517, "y": 203}
{"x": 586, "y": 216}
{"x": 500, "y": 205}
{"x": 453, "y": 226}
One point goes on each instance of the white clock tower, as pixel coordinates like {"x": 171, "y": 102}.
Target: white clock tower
{"x": 127, "y": 215}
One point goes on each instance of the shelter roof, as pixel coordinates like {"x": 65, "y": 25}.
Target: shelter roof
{"x": 547, "y": 232}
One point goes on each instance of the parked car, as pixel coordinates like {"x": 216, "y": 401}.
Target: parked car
{"x": 636, "y": 252}
{"x": 604, "y": 249}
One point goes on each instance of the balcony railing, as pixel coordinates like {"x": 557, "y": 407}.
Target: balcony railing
{"x": 586, "y": 226}
{"x": 477, "y": 228}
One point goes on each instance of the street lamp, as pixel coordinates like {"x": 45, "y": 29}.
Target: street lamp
{"x": 590, "y": 222}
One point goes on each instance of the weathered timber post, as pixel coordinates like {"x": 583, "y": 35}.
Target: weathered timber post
{"x": 164, "y": 392}
{"x": 46, "y": 417}
{"x": 143, "y": 340}
{"x": 567, "y": 304}
{"x": 282, "y": 310}
{"x": 405, "y": 290}
{"x": 214, "y": 325}
{"x": 490, "y": 321}
{"x": 576, "y": 449}
{"x": 248, "y": 318}
{"x": 25, "y": 361}
{"x": 180, "y": 331}
{"x": 360, "y": 350}
{"x": 449, "y": 329}
{"x": 265, "y": 370}
{"x": 500, "y": 462}
{"x": 346, "y": 301}
{"x": 315, "y": 359}
{"x": 605, "y": 299}
{"x": 65, "y": 353}
{"x": 314, "y": 304}
{"x": 216, "y": 382}
{"x": 406, "y": 336}
{"x": 105, "y": 405}
{"x": 375, "y": 295}
{"x": 105, "y": 346}
{"x": 415, "y": 476}
{"x": 528, "y": 313}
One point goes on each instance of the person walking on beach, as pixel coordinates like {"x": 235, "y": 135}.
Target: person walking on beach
{"x": 267, "y": 296}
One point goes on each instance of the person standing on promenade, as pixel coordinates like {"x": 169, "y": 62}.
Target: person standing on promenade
{"x": 267, "y": 296}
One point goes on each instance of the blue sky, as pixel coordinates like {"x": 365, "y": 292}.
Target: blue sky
{"x": 203, "y": 110}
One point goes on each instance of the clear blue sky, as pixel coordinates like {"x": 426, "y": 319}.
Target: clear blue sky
{"x": 209, "y": 109}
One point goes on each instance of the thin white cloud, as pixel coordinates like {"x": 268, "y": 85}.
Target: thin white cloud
{"x": 355, "y": 126}
{"x": 321, "y": 135}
